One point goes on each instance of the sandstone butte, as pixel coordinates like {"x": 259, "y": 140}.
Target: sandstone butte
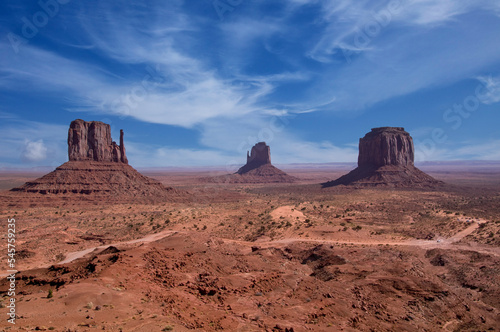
{"x": 386, "y": 158}
{"x": 92, "y": 141}
{"x": 259, "y": 169}
{"x": 97, "y": 167}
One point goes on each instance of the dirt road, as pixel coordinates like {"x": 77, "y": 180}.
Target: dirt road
{"x": 448, "y": 243}
{"x": 443, "y": 243}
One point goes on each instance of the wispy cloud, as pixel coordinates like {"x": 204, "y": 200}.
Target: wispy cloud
{"x": 171, "y": 83}
{"x": 384, "y": 65}
{"x": 492, "y": 85}
{"x": 488, "y": 150}
{"x": 167, "y": 63}
{"x": 144, "y": 155}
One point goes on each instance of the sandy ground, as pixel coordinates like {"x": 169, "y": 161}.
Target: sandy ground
{"x": 280, "y": 257}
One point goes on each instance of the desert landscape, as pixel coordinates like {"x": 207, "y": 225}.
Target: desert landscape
{"x": 248, "y": 166}
{"x": 100, "y": 246}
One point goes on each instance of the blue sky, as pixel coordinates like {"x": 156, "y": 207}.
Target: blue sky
{"x": 199, "y": 82}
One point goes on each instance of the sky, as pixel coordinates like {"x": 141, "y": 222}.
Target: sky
{"x": 199, "y": 82}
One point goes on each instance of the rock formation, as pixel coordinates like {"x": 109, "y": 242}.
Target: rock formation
{"x": 258, "y": 169}
{"x": 386, "y": 157}
{"x": 259, "y": 155}
{"x": 386, "y": 146}
{"x": 92, "y": 141}
{"x": 97, "y": 167}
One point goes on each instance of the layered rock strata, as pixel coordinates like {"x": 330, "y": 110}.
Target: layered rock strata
{"x": 97, "y": 167}
{"x": 386, "y": 158}
{"x": 92, "y": 141}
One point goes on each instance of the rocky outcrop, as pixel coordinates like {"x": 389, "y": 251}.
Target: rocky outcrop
{"x": 98, "y": 169}
{"x": 92, "y": 141}
{"x": 258, "y": 156}
{"x": 258, "y": 169}
{"x": 386, "y": 158}
{"x": 386, "y": 146}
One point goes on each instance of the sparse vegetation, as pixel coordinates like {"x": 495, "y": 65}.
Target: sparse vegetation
{"x": 217, "y": 263}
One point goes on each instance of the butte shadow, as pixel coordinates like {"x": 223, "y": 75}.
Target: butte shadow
{"x": 386, "y": 159}
{"x": 97, "y": 168}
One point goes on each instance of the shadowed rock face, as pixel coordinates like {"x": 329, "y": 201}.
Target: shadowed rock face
{"x": 260, "y": 155}
{"x": 386, "y": 146}
{"x": 258, "y": 169}
{"x": 92, "y": 141}
{"x": 386, "y": 156}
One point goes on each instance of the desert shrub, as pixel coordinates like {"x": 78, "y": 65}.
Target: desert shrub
{"x": 50, "y": 294}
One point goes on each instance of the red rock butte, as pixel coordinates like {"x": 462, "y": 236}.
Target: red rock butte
{"x": 386, "y": 158}
{"x": 259, "y": 155}
{"x": 92, "y": 141}
{"x": 97, "y": 167}
{"x": 259, "y": 169}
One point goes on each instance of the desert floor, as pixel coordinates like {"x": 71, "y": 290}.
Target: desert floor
{"x": 260, "y": 257}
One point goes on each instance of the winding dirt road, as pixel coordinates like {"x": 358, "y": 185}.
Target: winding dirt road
{"x": 442, "y": 243}
{"x": 448, "y": 243}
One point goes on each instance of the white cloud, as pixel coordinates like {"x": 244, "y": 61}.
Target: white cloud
{"x": 143, "y": 155}
{"x": 34, "y": 151}
{"x": 425, "y": 12}
{"x": 174, "y": 87}
{"x": 483, "y": 151}
{"x": 489, "y": 150}
{"x": 30, "y": 141}
{"x": 492, "y": 85}
{"x": 354, "y": 26}
{"x": 286, "y": 147}
{"x": 168, "y": 78}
